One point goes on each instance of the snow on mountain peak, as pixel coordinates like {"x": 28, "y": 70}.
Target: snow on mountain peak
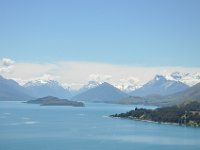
{"x": 128, "y": 84}
{"x": 159, "y": 77}
{"x": 187, "y": 78}
{"x": 196, "y": 75}
{"x": 91, "y": 84}
{"x": 46, "y": 79}
{"x": 40, "y": 82}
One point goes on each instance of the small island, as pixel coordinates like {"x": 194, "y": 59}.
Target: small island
{"x": 187, "y": 114}
{"x": 54, "y": 101}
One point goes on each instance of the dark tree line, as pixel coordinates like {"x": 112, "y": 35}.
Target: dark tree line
{"x": 186, "y": 114}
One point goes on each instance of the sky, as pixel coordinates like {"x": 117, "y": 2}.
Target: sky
{"x": 99, "y": 36}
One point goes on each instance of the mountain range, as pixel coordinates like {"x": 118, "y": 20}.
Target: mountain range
{"x": 159, "y": 86}
{"x": 40, "y": 88}
{"x": 160, "y": 90}
{"x": 190, "y": 94}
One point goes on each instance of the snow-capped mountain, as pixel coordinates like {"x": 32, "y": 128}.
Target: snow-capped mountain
{"x": 85, "y": 87}
{"x": 127, "y": 88}
{"x": 42, "y": 88}
{"x": 91, "y": 84}
{"x": 160, "y": 86}
{"x": 39, "y": 82}
{"x": 187, "y": 78}
{"x": 128, "y": 85}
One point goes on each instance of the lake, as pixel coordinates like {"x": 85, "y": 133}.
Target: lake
{"x": 33, "y": 127}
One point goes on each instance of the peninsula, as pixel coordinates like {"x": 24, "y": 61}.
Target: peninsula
{"x": 185, "y": 114}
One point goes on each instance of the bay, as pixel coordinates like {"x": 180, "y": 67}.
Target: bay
{"x": 33, "y": 127}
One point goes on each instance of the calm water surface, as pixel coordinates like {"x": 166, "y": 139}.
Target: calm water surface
{"x": 32, "y": 127}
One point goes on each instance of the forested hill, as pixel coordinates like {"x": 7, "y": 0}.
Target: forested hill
{"x": 185, "y": 114}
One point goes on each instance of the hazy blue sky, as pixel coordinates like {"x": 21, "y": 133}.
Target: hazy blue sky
{"x": 130, "y": 32}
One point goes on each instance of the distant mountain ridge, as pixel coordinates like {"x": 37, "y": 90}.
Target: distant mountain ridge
{"x": 161, "y": 86}
{"x": 128, "y": 86}
{"x": 188, "y": 95}
{"x": 159, "y": 91}
{"x": 40, "y": 88}
{"x": 191, "y": 94}
{"x": 10, "y": 90}
{"x": 104, "y": 92}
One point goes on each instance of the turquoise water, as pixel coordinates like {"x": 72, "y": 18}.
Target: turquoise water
{"x": 32, "y": 127}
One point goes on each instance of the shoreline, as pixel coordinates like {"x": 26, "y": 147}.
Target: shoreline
{"x": 156, "y": 122}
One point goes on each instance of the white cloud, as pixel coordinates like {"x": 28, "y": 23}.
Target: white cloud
{"x": 6, "y": 65}
{"x": 100, "y": 78}
{"x": 131, "y": 80}
{"x": 72, "y": 86}
{"x": 128, "y": 84}
{"x": 4, "y": 70}
{"x": 31, "y": 70}
{"x": 46, "y": 77}
{"x": 7, "y": 62}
